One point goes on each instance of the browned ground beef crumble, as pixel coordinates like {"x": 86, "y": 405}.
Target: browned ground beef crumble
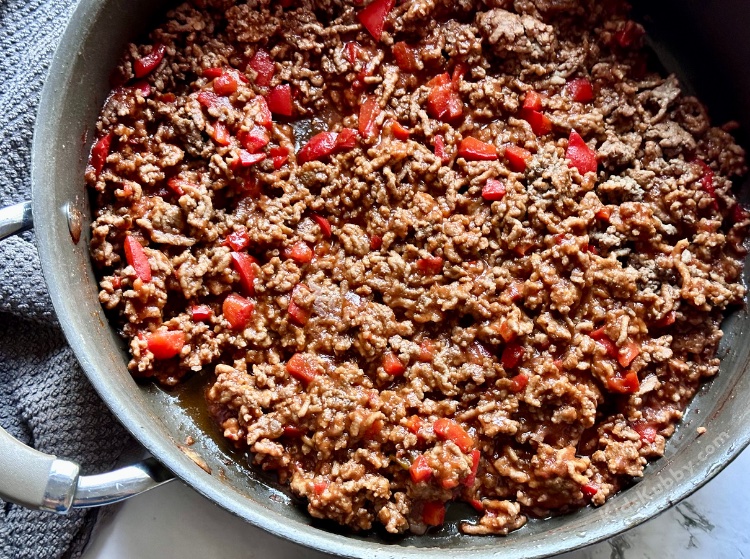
{"x": 510, "y": 318}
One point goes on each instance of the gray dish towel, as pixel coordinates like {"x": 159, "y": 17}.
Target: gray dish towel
{"x": 45, "y": 399}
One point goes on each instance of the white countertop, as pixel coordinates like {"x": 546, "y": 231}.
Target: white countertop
{"x": 173, "y": 521}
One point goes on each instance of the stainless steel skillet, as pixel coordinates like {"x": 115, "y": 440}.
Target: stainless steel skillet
{"x": 75, "y": 89}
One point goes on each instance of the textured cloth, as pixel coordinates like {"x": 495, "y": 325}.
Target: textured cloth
{"x": 45, "y": 400}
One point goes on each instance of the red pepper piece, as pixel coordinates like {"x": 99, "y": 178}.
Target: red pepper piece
{"x": 493, "y": 190}
{"x": 459, "y": 72}
{"x": 666, "y": 320}
{"x": 476, "y": 150}
{"x": 581, "y": 90}
{"x": 399, "y": 131}
{"x": 166, "y": 344}
{"x": 146, "y": 64}
{"x": 246, "y": 159}
{"x": 604, "y": 213}
{"x": 579, "y": 155}
{"x": 238, "y": 240}
{"x": 372, "y": 17}
{"x": 406, "y": 57}
{"x": 539, "y": 122}
{"x": 226, "y": 84}
{"x": 319, "y": 487}
{"x": 297, "y": 314}
{"x": 512, "y": 355}
{"x": 506, "y": 332}
{"x": 625, "y": 383}
{"x": 354, "y": 51}
{"x": 178, "y": 185}
{"x": 212, "y": 73}
{"x": 518, "y": 382}
{"x": 420, "y": 470}
{"x": 220, "y": 134}
{"x": 292, "y": 431}
{"x": 321, "y": 145}
{"x": 443, "y": 102}
{"x": 300, "y": 252}
{"x": 347, "y": 139}
{"x": 738, "y": 213}
{"x": 263, "y": 116}
{"x": 517, "y": 158}
{"x": 471, "y": 478}
{"x": 629, "y": 34}
{"x": 137, "y": 258}
{"x": 430, "y": 266}
{"x": 264, "y": 67}
{"x": 243, "y": 264}
{"x": 99, "y": 153}
{"x": 300, "y": 368}
{"x": 143, "y": 87}
{"x": 280, "y": 100}
{"x": 589, "y": 490}
{"x": 449, "y": 430}
{"x": 324, "y": 224}
{"x": 646, "y": 431}
{"x": 237, "y": 310}
{"x": 604, "y": 341}
{"x": 368, "y": 112}
{"x": 414, "y": 424}
{"x": 532, "y": 101}
{"x": 279, "y": 155}
{"x": 254, "y": 140}
{"x": 427, "y": 350}
{"x": 440, "y": 152}
{"x": 393, "y": 365}
{"x": 376, "y": 241}
{"x": 433, "y": 513}
{"x": 210, "y": 100}
{"x": 707, "y": 182}
{"x": 476, "y": 504}
{"x": 515, "y": 291}
{"x": 199, "y": 313}
{"x": 628, "y": 353}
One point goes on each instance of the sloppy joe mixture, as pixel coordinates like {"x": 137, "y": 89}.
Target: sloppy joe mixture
{"x": 422, "y": 251}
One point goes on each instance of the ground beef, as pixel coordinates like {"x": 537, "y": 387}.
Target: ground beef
{"x": 390, "y": 318}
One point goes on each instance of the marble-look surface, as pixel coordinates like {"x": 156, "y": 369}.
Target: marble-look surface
{"x": 175, "y": 521}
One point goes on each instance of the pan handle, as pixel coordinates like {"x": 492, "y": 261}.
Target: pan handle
{"x": 42, "y": 481}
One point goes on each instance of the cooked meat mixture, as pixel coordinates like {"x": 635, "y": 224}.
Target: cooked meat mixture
{"x": 429, "y": 252}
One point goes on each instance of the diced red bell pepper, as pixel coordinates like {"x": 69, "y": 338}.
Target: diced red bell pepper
{"x": 243, "y": 264}
{"x": 200, "y": 313}
{"x": 430, "y": 266}
{"x": 137, "y": 258}
{"x": 143, "y": 87}
{"x": 707, "y": 182}
{"x": 628, "y": 353}
{"x": 220, "y": 134}
{"x": 319, "y": 487}
{"x": 420, "y": 470}
{"x": 506, "y": 332}
{"x": 532, "y": 101}
{"x": 399, "y": 131}
{"x": 448, "y": 483}
{"x": 178, "y": 185}
{"x": 427, "y": 350}
{"x": 212, "y": 73}
{"x": 440, "y": 152}
{"x": 443, "y": 102}
{"x": 279, "y": 155}
{"x": 393, "y": 365}
{"x": 414, "y": 424}
{"x": 354, "y": 51}
{"x": 297, "y": 314}
{"x": 246, "y": 159}
{"x": 146, "y": 64}
{"x": 646, "y": 431}
{"x": 368, "y": 112}
{"x": 624, "y": 383}
{"x": 459, "y": 71}
{"x": 166, "y": 344}
{"x": 589, "y": 490}
{"x": 476, "y": 150}
{"x": 324, "y": 224}
{"x": 515, "y": 291}
{"x": 433, "y": 513}
{"x": 581, "y": 90}
{"x": 264, "y": 67}
{"x": 376, "y": 241}
{"x": 237, "y": 310}
{"x": 347, "y": 139}
{"x": 263, "y": 115}
{"x": 280, "y": 100}
{"x": 300, "y": 252}
{"x": 476, "y": 504}
{"x": 604, "y": 213}
{"x": 512, "y": 355}
{"x": 449, "y": 430}
{"x": 238, "y": 240}
{"x": 100, "y": 152}
{"x": 321, "y": 145}
{"x": 518, "y": 382}
{"x": 471, "y": 478}
{"x": 493, "y": 190}
{"x": 629, "y": 34}
{"x": 210, "y": 100}
{"x": 372, "y": 17}
{"x": 738, "y": 213}
{"x": 666, "y": 320}
{"x": 406, "y": 57}
{"x": 227, "y": 83}
{"x": 579, "y": 155}
{"x": 539, "y": 122}
{"x": 300, "y": 368}
{"x": 604, "y": 341}
{"x": 292, "y": 431}
{"x": 517, "y": 158}
{"x": 254, "y": 140}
